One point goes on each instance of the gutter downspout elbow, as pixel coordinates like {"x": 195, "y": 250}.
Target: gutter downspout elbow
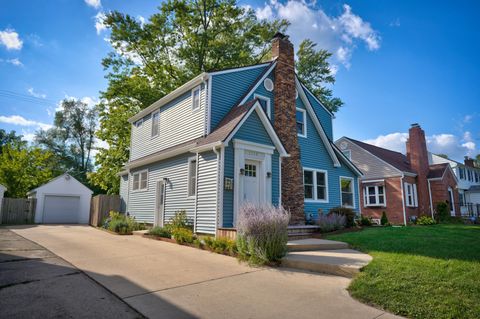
{"x": 403, "y": 201}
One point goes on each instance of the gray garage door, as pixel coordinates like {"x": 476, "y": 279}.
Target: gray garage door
{"x": 61, "y": 209}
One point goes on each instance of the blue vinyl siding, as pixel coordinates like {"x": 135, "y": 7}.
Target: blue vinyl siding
{"x": 313, "y": 154}
{"x": 228, "y": 89}
{"x": 263, "y": 92}
{"x": 252, "y": 130}
{"x": 323, "y": 116}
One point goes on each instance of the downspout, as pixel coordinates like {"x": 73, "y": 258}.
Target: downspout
{"x": 430, "y": 195}
{"x": 403, "y": 201}
{"x": 128, "y": 192}
{"x": 218, "y": 154}
{"x": 280, "y": 180}
{"x": 360, "y": 197}
{"x": 196, "y": 193}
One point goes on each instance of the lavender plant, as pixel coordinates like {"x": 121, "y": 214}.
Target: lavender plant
{"x": 262, "y": 233}
{"x": 331, "y": 222}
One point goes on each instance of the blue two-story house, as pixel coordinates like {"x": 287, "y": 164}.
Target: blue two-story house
{"x": 249, "y": 134}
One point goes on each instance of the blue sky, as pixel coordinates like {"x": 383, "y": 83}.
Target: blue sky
{"x": 396, "y": 62}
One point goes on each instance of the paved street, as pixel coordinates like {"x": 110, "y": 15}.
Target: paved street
{"x": 164, "y": 280}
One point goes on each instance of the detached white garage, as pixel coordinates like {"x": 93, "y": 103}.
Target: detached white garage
{"x": 63, "y": 200}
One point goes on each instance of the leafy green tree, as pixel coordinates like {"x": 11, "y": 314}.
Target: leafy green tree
{"x": 72, "y": 138}
{"x": 23, "y": 168}
{"x": 10, "y": 138}
{"x": 314, "y": 71}
{"x": 477, "y": 160}
{"x": 183, "y": 39}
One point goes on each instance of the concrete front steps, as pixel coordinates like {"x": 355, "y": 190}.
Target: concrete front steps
{"x": 325, "y": 256}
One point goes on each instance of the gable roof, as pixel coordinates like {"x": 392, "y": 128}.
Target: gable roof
{"x": 66, "y": 175}
{"x": 437, "y": 170}
{"x": 222, "y": 135}
{"x": 395, "y": 159}
{"x": 347, "y": 160}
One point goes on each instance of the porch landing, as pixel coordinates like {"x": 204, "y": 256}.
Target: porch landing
{"x": 324, "y": 256}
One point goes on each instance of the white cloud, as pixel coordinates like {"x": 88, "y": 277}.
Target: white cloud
{"x": 142, "y": 20}
{"x": 10, "y": 39}
{"x": 94, "y": 3}
{"x": 467, "y": 118}
{"x": 455, "y": 147}
{"x": 14, "y": 61}
{"x": 21, "y": 121}
{"x": 395, "y": 23}
{"x": 337, "y": 34}
{"x": 36, "y": 94}
{"x": 99, "y": 22}
{"x": 121, "y": 49}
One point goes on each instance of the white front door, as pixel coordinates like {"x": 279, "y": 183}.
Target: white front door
{"x": 451, "y": 202}
{"x": 160, "y": 203}
{"x": 251, "y": 191}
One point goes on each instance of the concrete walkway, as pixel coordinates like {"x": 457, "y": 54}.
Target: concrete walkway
{"x": 164, "y": 280}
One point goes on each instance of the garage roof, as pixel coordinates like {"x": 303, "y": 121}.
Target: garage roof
{"x": 66, "y": 176}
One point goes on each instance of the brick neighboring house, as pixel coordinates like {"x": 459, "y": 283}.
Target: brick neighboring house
{"x": 401, "y": 185}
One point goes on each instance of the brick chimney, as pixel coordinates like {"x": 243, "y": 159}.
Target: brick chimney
{"x": 469, "y": 162}
{"x": 418, "y": 157}
{"x": 285, "y": 126}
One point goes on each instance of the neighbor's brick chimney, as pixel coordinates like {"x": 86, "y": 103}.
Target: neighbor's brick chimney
{"x": 418, "y": 157}
{"x": 469, "y": 162}
{"x": 285, "y": 126}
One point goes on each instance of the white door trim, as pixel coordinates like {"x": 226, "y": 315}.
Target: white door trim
{"x": 452, "y": 201}
{"x": 245, "y": 150}
{"x": 159, "y": 206}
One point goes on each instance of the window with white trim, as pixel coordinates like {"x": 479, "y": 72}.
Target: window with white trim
{"x": 346, "y": 189}
{"x": 374, "y": 195}
{"x": 348, "y": 154}
{"x": 140, "y": 180}
{"x": 265, "y": 103}
{"x": 411, "y": 195}
{"x": 315, "y": 184}
{"x": 192, "y": 177}
{"x": 196, "y": 98}
{"x": 301, "y": 119}
{"x": 155, "y": 123}
{"x": 462, "y": 172}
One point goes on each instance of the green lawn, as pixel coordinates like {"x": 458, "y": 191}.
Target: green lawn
{"x": 420, "y": 272}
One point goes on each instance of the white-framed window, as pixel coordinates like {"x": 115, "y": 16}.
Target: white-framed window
{"x": 155, "y": 123}
{"x": 315, "y": 185}
{"x": 196, "y": 98}
{"x": 265, "y": 102}
{"x": 374, "y": 195}
{"x": 411, "y": 195}
{"x": 347, "y": 191}
{"x": 461, "y": 170}
{"x": 192, "y": 176}
{"x": 139, "y": 123}
{"x": 301, "y": 118}
{"x": 140, "y": 180}
{"x": 347, "y": 153}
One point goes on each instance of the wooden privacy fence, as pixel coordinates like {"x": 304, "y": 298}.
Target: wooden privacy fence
{"x": 101, "y": 205}
{"x": 18, "y": 211}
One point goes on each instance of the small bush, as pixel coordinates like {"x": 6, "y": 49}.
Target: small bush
{"x": 179, "y": 220}
{"x": 331, "y": 222}
{"x": 425, "y": 220}
{"x": 183, "y": 235}
{"x": 119, "y": 226}
{"x": 198, "y": 243}
{"x": 443, "y": 212}
{"x": 262, "y": 233}
{"x": 158, "y": 231}
{"x": 384, "y": 219}
{"x": 365, "y": 221}
{"x": 121, "y": 223}
{"x": 347, "y": 212}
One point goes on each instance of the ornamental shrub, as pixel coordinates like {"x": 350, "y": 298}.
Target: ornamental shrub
{"x": 425, "y": 220}
{"x": 331, "y": 222}
{"x": 384, "y": 219}
{"x": 183, "y": 236}
{"x": 347, "y": 212}
{"x": 365, "y": 221}
{"x": 121, "y": 223}
{"x": 179, "y": 220}
{"x": 158, "y": 231}
{"x": 443, "y": 212}
{"x": 262, "y": 233}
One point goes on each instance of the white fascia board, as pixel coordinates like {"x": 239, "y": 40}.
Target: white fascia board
{"x": 199, "y": 79}
{"x": 244, "y": 68}
{"x": 206, "y": 147}
{"x": 315, "y": 98}
{"x": 258, "y": 83}
{"x": 266, "y": 124}
{"x": 121, "y": 173}
{"x": 160, "y": 157}
{"x": 317, "y": 124}
{"x": 348, "y": 162}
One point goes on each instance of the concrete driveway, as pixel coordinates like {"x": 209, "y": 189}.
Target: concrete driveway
{"x": 164, "y": 280}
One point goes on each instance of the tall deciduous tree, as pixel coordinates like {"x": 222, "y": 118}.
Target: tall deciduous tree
{"x": 10, "y": 138}
{"x": 23, "y": 168}
{"x": 315, "y": 72}
{"x": 72, "y": 137}
{"x": 185, "y": 38}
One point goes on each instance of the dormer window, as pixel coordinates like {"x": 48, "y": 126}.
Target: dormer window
{"x": 265, "y": 103}
{"x": 196, "y": 98}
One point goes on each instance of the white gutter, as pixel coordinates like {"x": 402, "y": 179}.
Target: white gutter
{"x": 159, "y": 157}
{"x": 403, "y": 201}
{"x": 430, "y": 195}
{"x": 171, "y": 96}
{"x": 197, "y": 164}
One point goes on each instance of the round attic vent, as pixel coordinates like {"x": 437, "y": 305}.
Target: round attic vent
{"x": 343, "y": 145}
{"x": 268, "y": 84}
{"x": 296, "y": 94}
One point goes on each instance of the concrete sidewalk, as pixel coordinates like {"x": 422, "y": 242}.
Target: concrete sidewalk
{"x": 34, "y": 283}
{"x": 164, "y": 280}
